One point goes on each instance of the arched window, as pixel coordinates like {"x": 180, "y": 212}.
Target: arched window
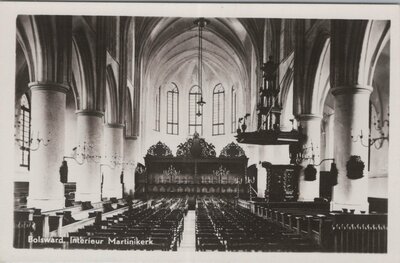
{"x": 173, "y": 110}
{"x": 195, "y": 120}
{"x": 218, "y": 110}
{"x": 158, "y": 104}
{"x": 233, "y": 110}
{"x": 25, "y": 131}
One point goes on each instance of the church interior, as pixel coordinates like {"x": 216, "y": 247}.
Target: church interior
{"x": 201, "y": 134}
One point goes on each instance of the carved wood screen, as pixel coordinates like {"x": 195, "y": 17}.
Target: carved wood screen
{"x": 194, "y": 171}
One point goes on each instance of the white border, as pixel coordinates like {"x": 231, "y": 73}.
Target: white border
{"x": 8, "y": 14}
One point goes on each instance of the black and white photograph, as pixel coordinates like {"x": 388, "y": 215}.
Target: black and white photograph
{"x": 196, "y": 132}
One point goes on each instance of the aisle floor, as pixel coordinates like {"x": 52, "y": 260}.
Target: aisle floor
{"x": 189, "y": 233}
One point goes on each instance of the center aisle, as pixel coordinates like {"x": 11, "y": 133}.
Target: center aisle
{"x": 188, "y": 243}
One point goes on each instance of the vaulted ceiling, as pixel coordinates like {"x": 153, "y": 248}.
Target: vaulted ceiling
{"x": 169, "y": 50}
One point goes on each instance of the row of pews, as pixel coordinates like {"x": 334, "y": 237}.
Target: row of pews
{"x": 224, "y": 226}
{"x": 207, "y": 237}
{"x": 56, "y": 223}
{"x": 158, "y": 226}
{"x": 332, "y": 231}
{"x": 220, "y": 225}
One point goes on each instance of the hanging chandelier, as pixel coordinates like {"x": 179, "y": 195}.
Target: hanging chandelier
{"x": 201, "y": 23}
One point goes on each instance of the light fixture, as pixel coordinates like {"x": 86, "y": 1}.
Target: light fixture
{"x": 381, "y": 127}
{"x": 201, "y": 23}
{"x": 301, "y": 153}
{"x": 82, "y": 153}
{"x": 33, "y": 144}
{"x": 118, "y": 160}
{"x": 201, "y": 102}
{"x": 198, "y": 113}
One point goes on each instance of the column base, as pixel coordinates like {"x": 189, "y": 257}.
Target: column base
{"x": 308, "y": 191}
{"x": 129, "y": 192}
{"x": 306, "y": 199}
{"x": 357, "y": 207}
{"x": 46, "y": 204}
{"x": 260, "y": 193}
{"x": 112, "y": 193}
{"x": 84, "y": 197}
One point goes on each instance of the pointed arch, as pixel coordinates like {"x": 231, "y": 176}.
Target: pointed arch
{"x": 315, "y": 67}
{"x": 321, "y": 85}
{"x": 376, "y": 37}
{"x": 83, "y": 71}
{"x": 129, "y": 132}
{"x": 23, "y": 42}
{"x": 287, "y": 83}
{"x": 233, "y": 109}
{"x": 46, "y": 41}
{"x": 346, "y": 55}
{"x": 21, "y": 73}
{"x": 75, "y": 92}
{"x": 111, "y": 97}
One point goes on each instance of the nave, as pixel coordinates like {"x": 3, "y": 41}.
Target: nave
{"x": 216, "y": 224}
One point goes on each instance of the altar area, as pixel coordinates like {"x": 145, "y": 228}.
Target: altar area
{"x": 195, "y": 171}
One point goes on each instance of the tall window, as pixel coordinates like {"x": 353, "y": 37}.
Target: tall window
{"x": 172, "y": 110}
{"x": 218, "y": 110}
{"x": 233, "y": 110}
{"x": 195, "y": 120}
{"x": 158, "y": 104}
{"x": 25, "y": 131}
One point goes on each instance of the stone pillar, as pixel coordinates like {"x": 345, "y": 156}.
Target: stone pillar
{"x": 90, "y": 136}
{"x": 262, "y": 174}
{"x": 111, "y": 167}
{"x": 253, "y": 154}
{"x": 311, "y": 125}
{"x": 329, "y": 142}
{"x": 351, "y": 119}
{"x": 48, "y": 116}
{"x": 46, "y": 226}
{"x": 129, "y": 170}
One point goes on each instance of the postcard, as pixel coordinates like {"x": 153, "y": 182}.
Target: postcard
{"x": 197, "y": 132}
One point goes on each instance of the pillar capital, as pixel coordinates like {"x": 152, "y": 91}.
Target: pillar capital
{"x": 356, "y": 89}
{"x": 308, "y": 117}
{"x": 49, "y": 86}
{"x": 114, "y": 125}
{"x": 93, "y": 113}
